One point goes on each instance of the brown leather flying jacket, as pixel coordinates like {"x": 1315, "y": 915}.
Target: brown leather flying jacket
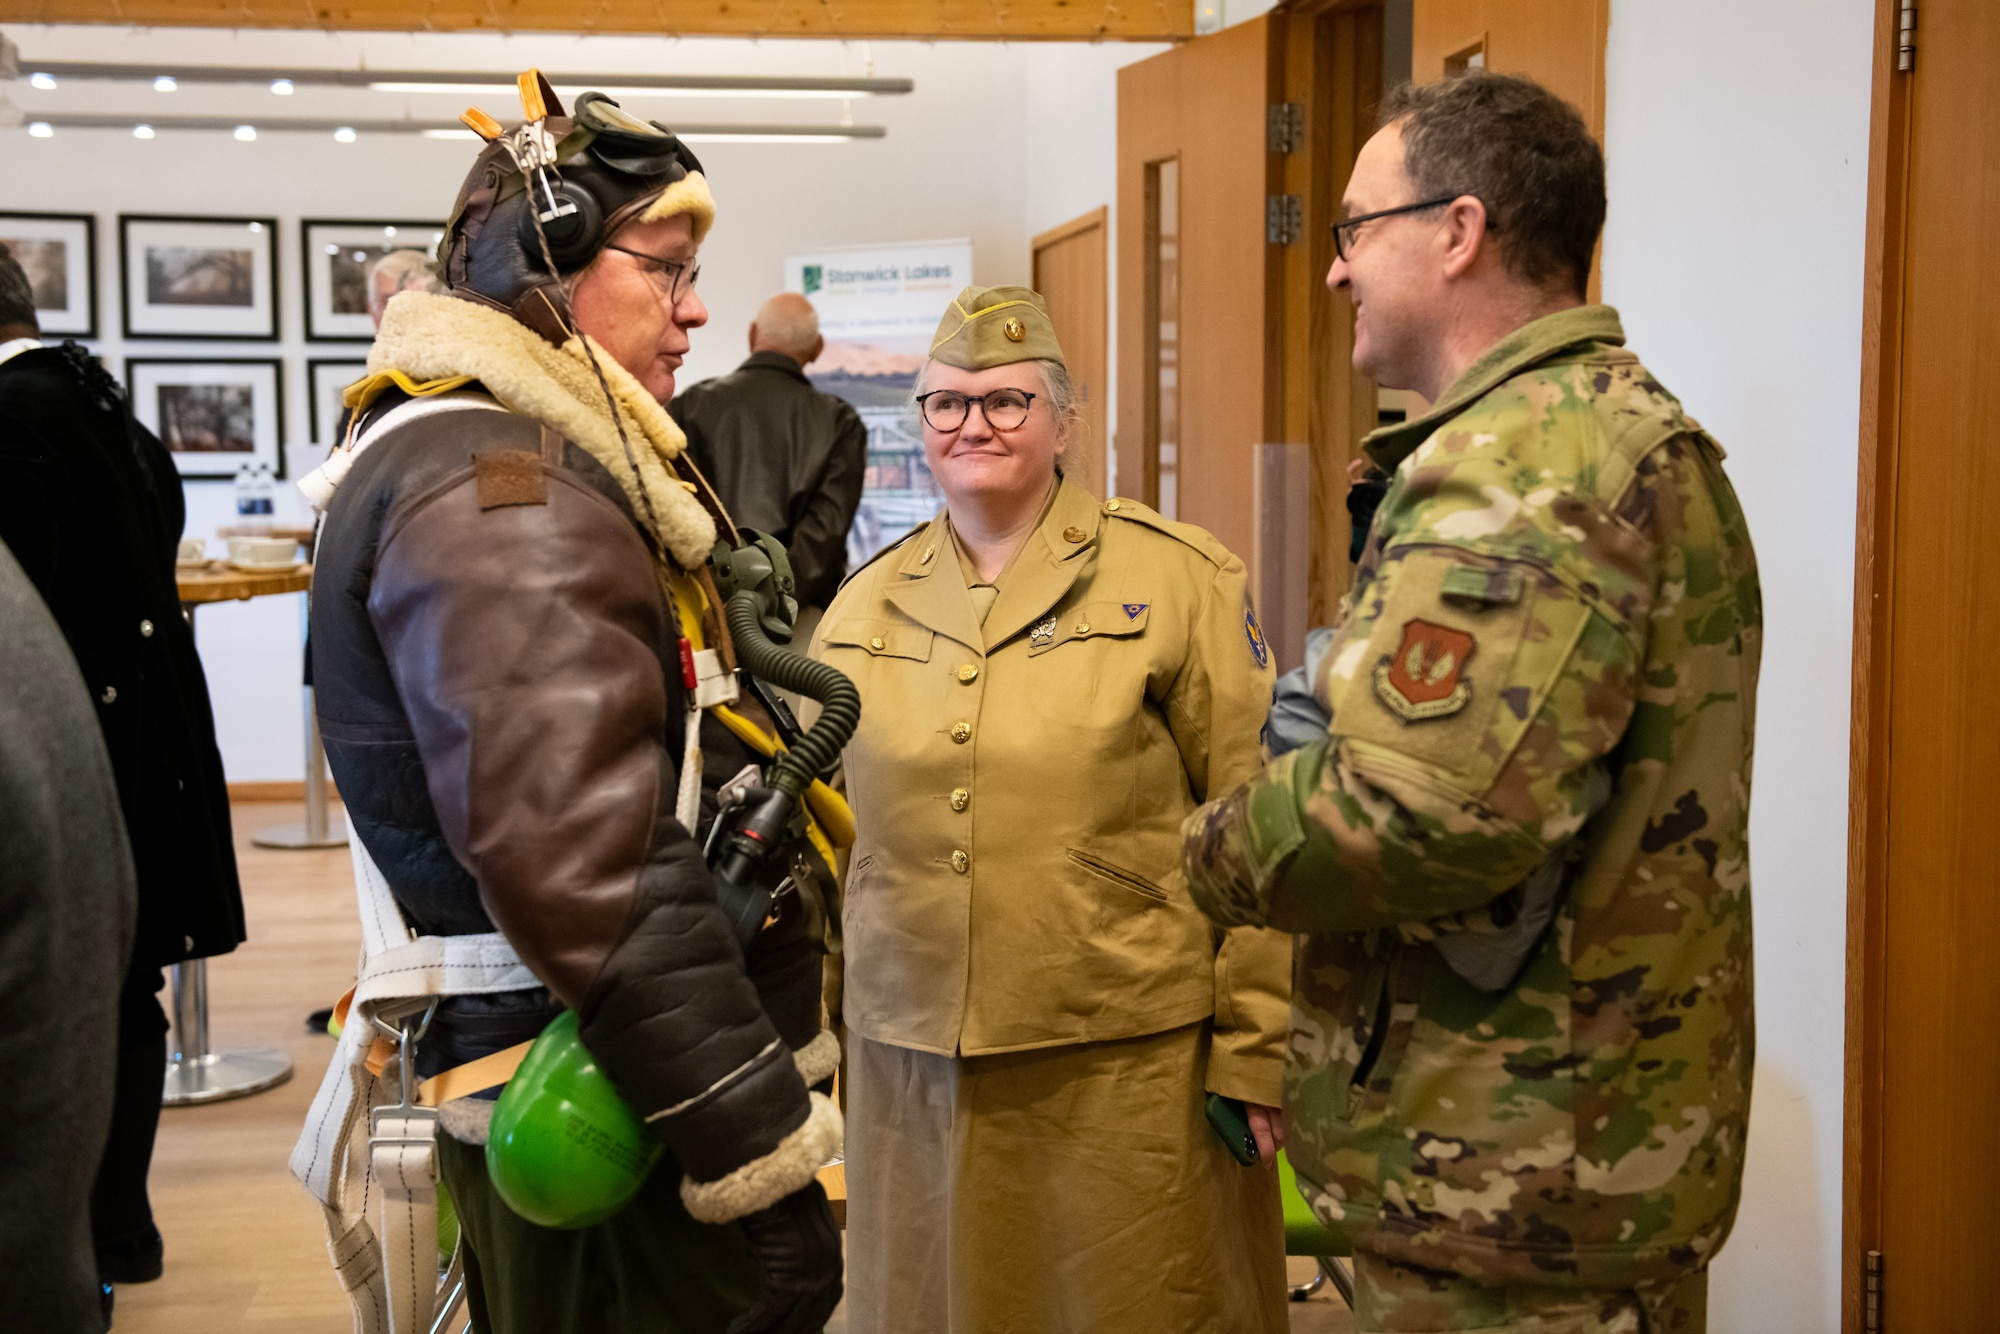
{"x": 498, "y": 684}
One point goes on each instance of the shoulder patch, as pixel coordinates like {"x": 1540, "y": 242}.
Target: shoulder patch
{"x": 1118, "y": 507}
{"x": 509, "y": 477}
{"x": 893, "y": 546}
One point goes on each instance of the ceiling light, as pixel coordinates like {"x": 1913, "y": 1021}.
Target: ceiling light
{"x": 164, "y": 84}
{"x": 45, "y": 82}
{"x": 41, "y": 129}
{"x": 610, "y": 90}
{"x": 757, "y": 137}
{"x": 344, "y": 135}
{"x": 142, "y": 131}
{"x": 245, "y": 133}
{"x": 282, "y": 87}
{"x": 389, "y": 231}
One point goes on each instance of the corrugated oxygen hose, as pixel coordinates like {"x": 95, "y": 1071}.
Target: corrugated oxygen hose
{"x": 840, "y": 703}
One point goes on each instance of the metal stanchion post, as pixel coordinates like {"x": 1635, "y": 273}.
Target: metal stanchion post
{"x": 196, "y": 1074}
{"x": 321, "y": 829}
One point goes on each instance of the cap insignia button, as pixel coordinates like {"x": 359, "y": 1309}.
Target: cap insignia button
{"x": 1015, "y": 330}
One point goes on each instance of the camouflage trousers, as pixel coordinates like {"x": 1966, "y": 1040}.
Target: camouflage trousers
{"x": 1391, "y": 1298}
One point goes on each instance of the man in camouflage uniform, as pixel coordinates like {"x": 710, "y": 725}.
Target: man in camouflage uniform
{"x": 1517, "y": 864}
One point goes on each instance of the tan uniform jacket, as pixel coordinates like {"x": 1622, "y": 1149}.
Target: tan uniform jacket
{"x": 1019, "y": 789}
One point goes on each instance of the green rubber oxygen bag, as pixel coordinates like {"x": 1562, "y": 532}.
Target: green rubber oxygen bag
{"x": 566, "y": 1150}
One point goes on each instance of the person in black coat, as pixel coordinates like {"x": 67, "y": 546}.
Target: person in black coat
{"x": 91, "y": 505}
{"x": 786, "y": 459}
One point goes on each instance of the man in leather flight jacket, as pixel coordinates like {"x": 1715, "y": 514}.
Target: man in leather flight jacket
{"x": 499, "y": 679}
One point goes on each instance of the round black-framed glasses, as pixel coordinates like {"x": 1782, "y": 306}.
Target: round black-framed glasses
{"x": 947, "y": 409}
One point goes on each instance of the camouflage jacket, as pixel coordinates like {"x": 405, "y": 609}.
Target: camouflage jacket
{"x": 1547, "y": 665}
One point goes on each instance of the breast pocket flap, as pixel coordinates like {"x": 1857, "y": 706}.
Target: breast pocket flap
{"x": 882, "y": 639}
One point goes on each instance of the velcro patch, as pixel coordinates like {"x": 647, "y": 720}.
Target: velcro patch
{"x": 510, "y": 477}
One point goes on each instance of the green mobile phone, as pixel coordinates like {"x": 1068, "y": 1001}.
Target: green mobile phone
{"x": 1227, "y": 1116}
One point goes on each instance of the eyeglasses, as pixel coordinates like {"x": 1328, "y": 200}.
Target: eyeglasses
{"x": 946, "y": 410}
{"x": 1344, "y": 230}
{"x": 673, "y": 278}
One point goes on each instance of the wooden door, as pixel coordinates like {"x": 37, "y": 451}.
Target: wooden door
{"x": 1924, "y": 878}
{"x": 1192, "y": 182}
{"x": 1070, "y": 273}
{"x": 1557, "y": 43}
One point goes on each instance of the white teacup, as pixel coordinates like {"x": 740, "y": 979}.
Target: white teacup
{"x": 263, "y": 551}
{"x": 192, "y": 551}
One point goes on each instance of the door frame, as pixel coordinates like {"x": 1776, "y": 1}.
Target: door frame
{"x": 1889, "y": 130}
{"x": 1098, "y": 220}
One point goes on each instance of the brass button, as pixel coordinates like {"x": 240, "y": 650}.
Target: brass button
{"x": 961, "y": 732}
{"x": 1073, "y": 534}
{"x": 1083, "y": 627}
{"x": 877, "y": 644}
{"x": 960, "y": 798}
{"x": 1015, "y": 330}
{"x": 959, "y": 861}
{"x": 925, "y": 559}
{"x": 968, "y": 673}
{"x": 145, "y": 629}
{"x": 1111, "y": 505}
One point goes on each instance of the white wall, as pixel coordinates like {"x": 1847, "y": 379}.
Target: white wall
{"x": 997, "y": 142}
{"x": 1736, "y": 136}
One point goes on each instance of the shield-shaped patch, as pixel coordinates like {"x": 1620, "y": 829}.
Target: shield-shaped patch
{"x": 1424, "y": 677}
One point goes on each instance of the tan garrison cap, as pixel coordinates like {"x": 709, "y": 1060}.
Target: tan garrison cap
{"x": 995, "y": 326}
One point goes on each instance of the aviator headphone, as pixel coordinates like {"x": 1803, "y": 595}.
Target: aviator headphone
{"x": 627, "y": 160}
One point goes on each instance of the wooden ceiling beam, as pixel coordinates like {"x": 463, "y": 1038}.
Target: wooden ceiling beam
{"x": 927, "y": 20}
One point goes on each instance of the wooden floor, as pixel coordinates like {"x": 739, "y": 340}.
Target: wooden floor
{"x": 245, "y": 1249}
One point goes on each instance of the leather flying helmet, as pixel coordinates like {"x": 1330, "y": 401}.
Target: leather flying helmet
{"x": 543, "y": 199}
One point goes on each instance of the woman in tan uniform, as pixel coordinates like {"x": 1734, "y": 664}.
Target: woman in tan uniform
{"x": 1035, "y": 1009}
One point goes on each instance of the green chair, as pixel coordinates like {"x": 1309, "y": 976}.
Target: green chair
{"x": 1306, "y": 1235}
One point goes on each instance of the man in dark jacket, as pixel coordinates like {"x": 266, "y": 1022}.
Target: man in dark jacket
{"x": 91, "y": 504}
{"x": 65, "y": 933}
{"x": 786, "y": 459}
{"x": 504, "y": 686}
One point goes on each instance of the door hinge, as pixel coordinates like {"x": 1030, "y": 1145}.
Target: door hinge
{"x": 1906, "y": 35}
{"x": 1284, "y": 127}
{"x": 1284, "y": 219}
{"x": 1871, "y": 1293}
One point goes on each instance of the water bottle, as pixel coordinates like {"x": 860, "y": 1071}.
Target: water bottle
{"x": 246, "y": 492}
{"x": 267, "y": 491}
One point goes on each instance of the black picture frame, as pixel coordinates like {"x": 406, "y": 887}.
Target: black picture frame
{"x": 317, "y": 410}
{"x": 199, "y": 321}
{"x": 62, "y": 322}
{"x": 315, "y": 234}
{"x": 197, "y": 464}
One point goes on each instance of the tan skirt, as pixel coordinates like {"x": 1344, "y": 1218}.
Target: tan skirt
{"x": 1071, "y": 1190}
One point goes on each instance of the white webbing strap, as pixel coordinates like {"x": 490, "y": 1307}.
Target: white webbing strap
{"x": 388, "y": 1264}
{"x": 402, "y": 1154}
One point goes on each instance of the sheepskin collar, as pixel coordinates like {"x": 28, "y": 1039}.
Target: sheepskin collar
{"x": 432, "y": 337}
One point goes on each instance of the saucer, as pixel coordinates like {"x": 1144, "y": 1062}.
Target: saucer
{"x": 267, "y": 567}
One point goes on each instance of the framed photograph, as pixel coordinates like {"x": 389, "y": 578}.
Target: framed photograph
{"x": 199, "y": 277}
{"x": 338, "y": 255}
{"x": 214, "y": 416}
{"x": 58, "y": 252}
{"x": 325, "y": 381}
